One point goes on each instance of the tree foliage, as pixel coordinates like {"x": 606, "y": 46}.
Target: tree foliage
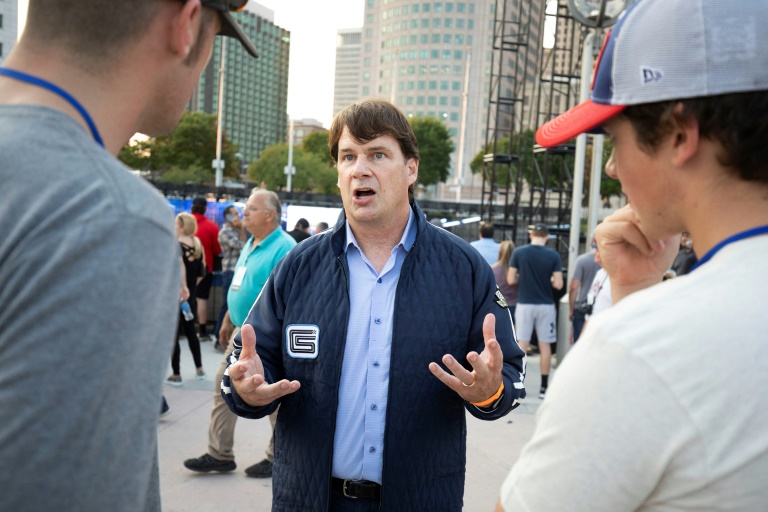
{"x": 312, "y": 173}
{"x": 435, "y": 148}
{"x": 317, "y": 144}
{"x": 187, "y": 151}
{"x": 533, "y": 166}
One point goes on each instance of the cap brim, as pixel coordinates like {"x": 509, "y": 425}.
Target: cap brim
{"x": 230, "y": 28}
{"x": 580, "y": 119}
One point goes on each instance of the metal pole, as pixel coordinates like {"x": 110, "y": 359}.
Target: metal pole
{"x": 289, "y": 169}
{"x": 218, "y": 164}
{"x": 463, "y": 128}
{"x": 581, "y": 150}
{"x": 594, "y": 182}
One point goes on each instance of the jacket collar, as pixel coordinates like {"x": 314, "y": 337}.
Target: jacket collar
{"x": 339, "y": 235}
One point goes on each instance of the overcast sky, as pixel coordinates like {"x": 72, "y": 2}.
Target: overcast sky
{"x": 313, "y": 25}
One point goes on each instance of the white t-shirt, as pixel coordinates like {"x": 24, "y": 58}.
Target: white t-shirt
{"x": 661, "y": 405}
{"x": 599, "y": 294}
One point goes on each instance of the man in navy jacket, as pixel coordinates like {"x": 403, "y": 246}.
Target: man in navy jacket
{"x": 350, "y": 326}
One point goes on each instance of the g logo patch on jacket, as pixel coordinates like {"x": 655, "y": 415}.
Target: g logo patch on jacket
{"x": 302, "y": 341}
{"x": 500, "y": 300}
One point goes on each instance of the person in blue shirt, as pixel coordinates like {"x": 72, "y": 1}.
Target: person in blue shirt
{"x": 375, "y": 338}
{"x": 485, "y": 244}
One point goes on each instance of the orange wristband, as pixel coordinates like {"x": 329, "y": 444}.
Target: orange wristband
{"x": 492, "y": 399}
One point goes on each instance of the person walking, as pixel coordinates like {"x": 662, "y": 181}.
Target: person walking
{"x": 89, "y": 261}
{"x": 509, "y": 291}
{"x": 208, "y": 234}
{"x": 232, "y": 238}
{"x": 537, "y": 269}
{"x": 651, "y": 410}
{"x": 194, "y": 268}
{"x": 267, "y": 245}
{"x": 354, "y": 330}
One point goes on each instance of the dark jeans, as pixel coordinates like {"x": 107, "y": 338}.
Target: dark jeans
{"x": 340, "y": 503}
{"x": 578, "y": 325}
{"x": 226, "y": 281}
{"x": 188, "y": 329}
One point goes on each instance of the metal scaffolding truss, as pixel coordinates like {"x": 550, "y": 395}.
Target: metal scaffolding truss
{"x": 523, "y": 184}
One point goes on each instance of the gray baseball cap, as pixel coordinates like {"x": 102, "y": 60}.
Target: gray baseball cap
{"x": 662, "y": 50}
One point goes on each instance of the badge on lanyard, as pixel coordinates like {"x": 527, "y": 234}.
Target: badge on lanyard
{"x": 237, "y": 280}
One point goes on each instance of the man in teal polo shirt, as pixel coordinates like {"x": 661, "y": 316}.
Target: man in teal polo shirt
{"x": 266, "y": 246}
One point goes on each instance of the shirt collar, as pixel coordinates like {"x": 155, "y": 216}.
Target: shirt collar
{"x": 406, "y": 241}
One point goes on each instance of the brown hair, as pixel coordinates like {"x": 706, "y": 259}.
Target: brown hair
{"x": 738, "y": 122}
{"x": 505, "y": 252}
{"x": 373, "y": 118}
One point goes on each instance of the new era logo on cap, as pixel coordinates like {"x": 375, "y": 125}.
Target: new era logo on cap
{"x": 664, "y": 50}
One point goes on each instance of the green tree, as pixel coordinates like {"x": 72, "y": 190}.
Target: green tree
{"x": 435, "y": 148}
{"x": 312, "y": 173}
{"x": 194, "y": 174}
{"x": 317, "y": 143}
{"x": 191, "y": 145}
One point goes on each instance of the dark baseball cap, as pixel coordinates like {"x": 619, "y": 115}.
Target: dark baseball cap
{"x": 541, "y": 228}
{"x": 229, "y": 26}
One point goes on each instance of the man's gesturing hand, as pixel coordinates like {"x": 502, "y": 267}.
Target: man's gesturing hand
{"x": 485, "y": 378}
{"x": 247, "y": 375}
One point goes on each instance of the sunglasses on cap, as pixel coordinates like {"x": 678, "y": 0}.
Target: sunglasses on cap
{"x": 226, "y": 5}
{"x": 230, "y": 27}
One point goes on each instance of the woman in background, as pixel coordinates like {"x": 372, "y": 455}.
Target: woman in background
{"x": 194, "y": 266}
{"x": 509, "y": 292}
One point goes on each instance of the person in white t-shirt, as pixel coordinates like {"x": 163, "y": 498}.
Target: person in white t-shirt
{"x": 653, "y": 409}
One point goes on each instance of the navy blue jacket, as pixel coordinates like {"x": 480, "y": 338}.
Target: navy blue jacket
{"x": 445, "y": 290}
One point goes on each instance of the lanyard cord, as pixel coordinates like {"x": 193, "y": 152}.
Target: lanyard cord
{"x": 33, "y": 80}
{"x": 760, "y": 230}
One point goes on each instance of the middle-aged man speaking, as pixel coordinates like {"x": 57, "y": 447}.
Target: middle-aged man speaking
{"x": 351, "y": 328}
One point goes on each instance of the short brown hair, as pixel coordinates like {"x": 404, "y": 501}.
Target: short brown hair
{"x": 373, "y": 118}
{"x": 738, "y": 122}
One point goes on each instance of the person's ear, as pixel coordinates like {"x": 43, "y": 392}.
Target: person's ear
{"x": 685, "y": 135}
{"x": 413, "y": 170}
{"x": 185, "y": 27}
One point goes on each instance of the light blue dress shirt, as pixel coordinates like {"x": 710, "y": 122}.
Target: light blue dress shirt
{"x": 488, "y": 249}
{"x": 358, "y": 445}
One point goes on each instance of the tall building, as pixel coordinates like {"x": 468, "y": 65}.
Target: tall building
{"x": 9, "y": 13}
{"x": 255, "y": 90}
{"x": 346, "y": 86}
{"x": 415, "y": 54}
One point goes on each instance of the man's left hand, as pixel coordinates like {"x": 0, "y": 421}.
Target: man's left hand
{"x": 484, "y": 380}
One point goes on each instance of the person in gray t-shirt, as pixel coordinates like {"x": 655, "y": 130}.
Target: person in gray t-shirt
{"x": 89, "y": 264}
{"x": 584, "y": 272}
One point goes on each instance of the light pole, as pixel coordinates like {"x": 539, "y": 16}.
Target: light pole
{"x": 595, "y": 14}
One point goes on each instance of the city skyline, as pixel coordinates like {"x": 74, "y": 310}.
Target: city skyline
{"x": 313, "y": 27}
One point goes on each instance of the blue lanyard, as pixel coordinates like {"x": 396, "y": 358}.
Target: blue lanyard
{"x": 760, "y": 230}
{"x": 31, "y": 79}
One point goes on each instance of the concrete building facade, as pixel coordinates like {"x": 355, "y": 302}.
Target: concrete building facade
{"x": 255, "y": 90}
{"x": 346, "y": 85}
{"x": 416, "y": 53}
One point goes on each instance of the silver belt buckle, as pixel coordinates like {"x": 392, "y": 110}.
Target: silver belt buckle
{"x": 344, "y": 490}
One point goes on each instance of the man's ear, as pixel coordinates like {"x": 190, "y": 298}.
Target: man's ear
{"x": 685, "y": 135}
{"x": 413, "y": 170}
{"x": 185, "y": 26}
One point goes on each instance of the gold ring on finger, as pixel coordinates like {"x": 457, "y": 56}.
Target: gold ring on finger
{"x": 469, "y": 385}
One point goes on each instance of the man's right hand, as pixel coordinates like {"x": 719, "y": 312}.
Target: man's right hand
{"x": 247, "y": 375}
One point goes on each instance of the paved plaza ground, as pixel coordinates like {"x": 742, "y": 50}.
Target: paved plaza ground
{"x": 492, "y": 448}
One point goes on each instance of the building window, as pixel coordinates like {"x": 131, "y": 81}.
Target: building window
{"x": 470, "y": 24}
{"x": 419, "y": 100}
{"x": 455, "y": 101}
{"x": 444, "y": 85}
{"x": 435, "y": 22}
{"x": 447, "y": 38}
{"x": 458, "y": 54}
{"x": 438, "y": 7}
{"x": 435, "y": 38}
{"x": 444, "y": 100}
{"x": 446, "y": 54}
{"x": 365, "y": 90}
{"x": 415, "y": 8}
{"x": 425, "y": 23}
{"x": 435, "y": 54}
{"x": 369, "y": 18}
{"x": 433, "y": 85}
{"x": 454, "y": 116}
{"x": 370, "y": 3}
{"x": 422, "y": 85}
{"x": 461, "y": 7}
{"x": 425, "y": 8}
{"x": 456, "y": 86}
{"x": 471, "y": 8}
{"x": 460, "y": 23}
{"x": 432, "y": 100}
{"x": 449, "y": 7}
{"x": 459, "y": 39}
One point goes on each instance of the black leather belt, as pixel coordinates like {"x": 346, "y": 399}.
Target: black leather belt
{"x": 362, "y": 489}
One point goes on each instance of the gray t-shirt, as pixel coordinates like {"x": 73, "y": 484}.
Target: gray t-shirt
{"x": 89, "y": 286}
{"x": 585, "y": 270}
